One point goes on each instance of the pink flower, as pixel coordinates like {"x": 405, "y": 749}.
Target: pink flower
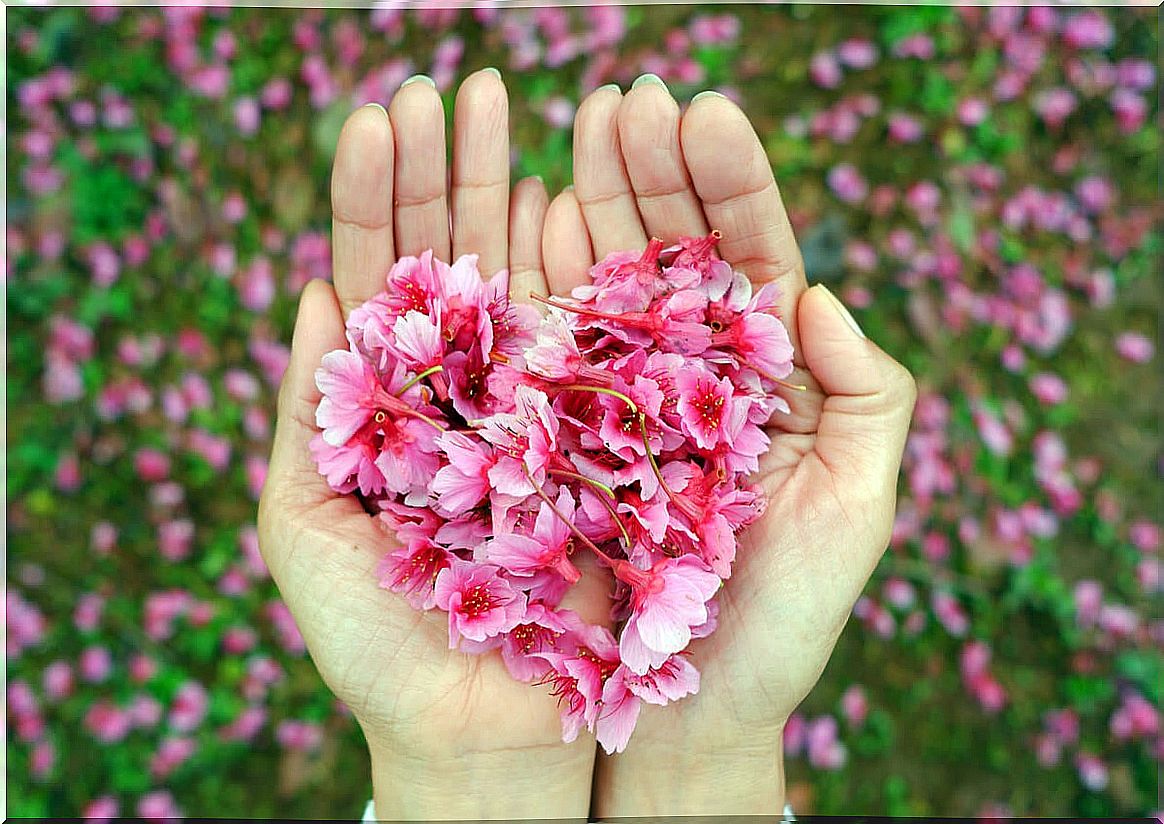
{"x": 107, "y": 723}
{"x": 625, "y": 281}
{"x": 1095, "y": 194}
{"x": 578, "y": 678}
{"x": 920, "y": 46}
{"x": 158, "y": 805}
{"x": 972, "y": 111}
{"x": 758, "y": 339}
{"x": 824, "y": 70}
{"x": 1092, "y": 771}
{"x": 667, "y": 602}
{"x": 95, "y": 664}
{"x": 413, "y": 570}
{"x": 1050, "y": 389}
{"x": 1054, "y": 106}
{"x": 170, "y": 755}
{"x": 58, "y": 681}
{"x": 418, "y": 340}
{"x": 855, "y": 706}
{"x": 189, "y": 707}
{"x": 1134, "y": 347}
{"x": 464, "y": 482}
{"x": 847, "y": 183}
{"x": 675, "y": 679}
{"x": 480, "y": 603}
{"x": 304, "y": 736}
{"x": 175, "y": 539}
{"x": 287, "y": 631}
{"x": 246, "y": 726}
{"x": 524, "y": 441}
{"x": 103, "y": 808}
{"x": 541, "y": 630}
{"x": 618, "y": 714}
{"x": 905, "y": 129}
{"x": 1088, "y": 30}
{"x": 352, "y": 392}
{"x": 555, "y": 355}
{"x": 857, "y": 53}
{"x": 546, "y": 549}
{"x": 1145, "y": 536}
{"x": 707, "y": 408}
{"x": 824, "y": 750}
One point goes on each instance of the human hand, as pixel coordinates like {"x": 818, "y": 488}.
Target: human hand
{"x": 641, "y": 169}
{"x": 451, "y": 735}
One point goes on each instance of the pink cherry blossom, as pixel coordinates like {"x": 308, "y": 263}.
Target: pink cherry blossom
{"x": 480, "y": 603}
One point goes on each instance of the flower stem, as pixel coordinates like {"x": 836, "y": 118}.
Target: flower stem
{"x": 416, "y": 379}
{"x": 799, "y": 387}
{"x": 602, "y": 390}
{"x": 541, "y": 493}
{"x": 655, "y": 464}
{"x": 584, "y": 479}
{"x": 580, "y": 310}
{"x": 599, "y": 485}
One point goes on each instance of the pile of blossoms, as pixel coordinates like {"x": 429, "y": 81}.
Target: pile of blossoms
{"x": 496, "y": 443}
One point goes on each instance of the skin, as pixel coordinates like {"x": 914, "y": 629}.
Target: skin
{"x": 451, "y": 735}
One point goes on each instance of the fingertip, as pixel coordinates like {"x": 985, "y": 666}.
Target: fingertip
{"x": 414, "y": 100}
{"x": 319, "y": 326}
{"x": 483, "y": 88}
{"x": 648, "y": 113}
{"x": 528, "y": 206}
{"x": 363, "y": 159}
{"x": 566, "y": 249}
{"x": 714, "y": 127}
{"x": 532, "y": 189}
{"x": 596, "y": 112}
{"x": 843, "y": 360}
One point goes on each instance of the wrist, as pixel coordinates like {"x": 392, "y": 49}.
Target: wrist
{"x": 550, "y": 782}
{"x": 689, "y": 776}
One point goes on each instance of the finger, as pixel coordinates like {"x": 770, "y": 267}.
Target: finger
{"x": 566, "y": 250}
{"x": 527, "y": 217}
{"x": 421, "y": 195}
{"x": 733, "y": 179}
{"x": 316, "y": 542}
{"x": 481, "y": 170}
{"x": 869, "y": 400}
{"x": 600, "y": 179}
{"x": 804, "y": 405}
{"x": 648, "y": 131}
{"x": 362, "y": 246}
{"x": 319, "y": 329}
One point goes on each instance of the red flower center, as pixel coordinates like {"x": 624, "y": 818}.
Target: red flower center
{"x": 710, "y": 408}
{"x": 532, "y": 637}
{"x": 477, "y": 600}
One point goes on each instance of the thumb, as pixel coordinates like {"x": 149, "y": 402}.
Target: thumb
{"x": 319, "y": 328}
{"x": 869, "y": 396}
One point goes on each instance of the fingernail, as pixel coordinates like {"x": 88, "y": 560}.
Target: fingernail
{"x": 708, "y": 94}
{"x": 538, "y": 178}
{"x": 569, "y": 188}
{"x": 840, "y": 307}
{"x": 493, "y": 71}
{"x": 375, "y": 105}
{"x": 422, "y": 78}
{"x": 653, "y": 79}
{"x": 613, "y": 87}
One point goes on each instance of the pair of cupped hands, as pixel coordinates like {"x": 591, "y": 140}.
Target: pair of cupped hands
{"x": 451, "y": 735}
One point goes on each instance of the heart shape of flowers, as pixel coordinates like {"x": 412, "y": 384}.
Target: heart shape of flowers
{"x": 495, "y": 442}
